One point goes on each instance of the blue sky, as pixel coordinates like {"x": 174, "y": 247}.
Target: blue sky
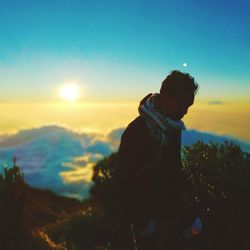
{"x": 116, "y": 51}
{"x": 113, "y": 47}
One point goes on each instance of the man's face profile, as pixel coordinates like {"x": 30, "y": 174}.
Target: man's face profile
{"x": 183, "y": 102}
{"x": 177, "y": 106}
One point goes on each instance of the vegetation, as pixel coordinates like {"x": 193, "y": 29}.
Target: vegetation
{"x": 38, "y": 219}
{"x": 220, "y": 174}
{"x": 12, "y": 205}
{"x": 25, "y": 213}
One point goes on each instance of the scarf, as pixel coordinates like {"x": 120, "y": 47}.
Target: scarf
{"x": 160, "y": 126}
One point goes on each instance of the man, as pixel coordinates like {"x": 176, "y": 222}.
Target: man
{"x": 151, "y": 185}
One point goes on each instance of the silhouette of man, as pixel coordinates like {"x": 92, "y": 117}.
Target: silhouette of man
{"x": 151, "y": 184}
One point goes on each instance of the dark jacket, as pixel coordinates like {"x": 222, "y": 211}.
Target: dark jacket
{"x": 150, "y": 183}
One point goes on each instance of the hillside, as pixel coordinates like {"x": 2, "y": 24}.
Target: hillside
{"x": 34, "y": 219}
{"x": 44, "y": 207}
{"x": 27, "y": 214}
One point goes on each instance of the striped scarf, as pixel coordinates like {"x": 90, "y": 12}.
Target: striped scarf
{"x": 160, "y": 125}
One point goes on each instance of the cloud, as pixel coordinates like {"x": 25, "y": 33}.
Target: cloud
{"x": 114, "y": 138}
{"x": 190, "y": 137}
{"x": 215, "y": 103}
{"x": 78, "y": 174}
{"x": 55, "y": 157}
{"x": 62, "y": 160}
{"x": 80, "y": 169}
{"x": 99, "y": 146}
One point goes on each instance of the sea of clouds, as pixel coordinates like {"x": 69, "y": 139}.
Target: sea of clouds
{"x": 57, "y": 158}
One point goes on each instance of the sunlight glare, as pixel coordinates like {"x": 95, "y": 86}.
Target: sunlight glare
{"x": 70, "y": 91}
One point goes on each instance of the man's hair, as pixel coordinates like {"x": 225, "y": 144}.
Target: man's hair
{"x": 178, "y": 82}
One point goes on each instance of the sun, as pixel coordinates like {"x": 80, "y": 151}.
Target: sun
{"x": 70, "y": 91}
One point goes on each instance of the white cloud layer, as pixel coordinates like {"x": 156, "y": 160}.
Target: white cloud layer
{"x": 62, "y": 160}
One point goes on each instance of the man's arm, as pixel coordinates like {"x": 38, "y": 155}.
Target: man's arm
{"x": 133, "y": 173}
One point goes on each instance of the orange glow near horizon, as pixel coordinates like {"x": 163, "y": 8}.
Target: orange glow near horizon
{"x": 223, "y": 119}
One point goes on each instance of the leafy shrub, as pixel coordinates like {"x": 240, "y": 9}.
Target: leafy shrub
{"x": 13, "y": 230}
{"x": 220, "y": 174}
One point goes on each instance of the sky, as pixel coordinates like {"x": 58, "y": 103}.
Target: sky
{"x": 117, "y": 52}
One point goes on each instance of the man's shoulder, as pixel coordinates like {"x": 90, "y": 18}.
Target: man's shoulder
{"x": 137, "y": 128}
{"x": 137, "y": 123}
{"x": 137, "y": 139}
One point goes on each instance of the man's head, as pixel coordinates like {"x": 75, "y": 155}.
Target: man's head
{"x": 177, "y": 94}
